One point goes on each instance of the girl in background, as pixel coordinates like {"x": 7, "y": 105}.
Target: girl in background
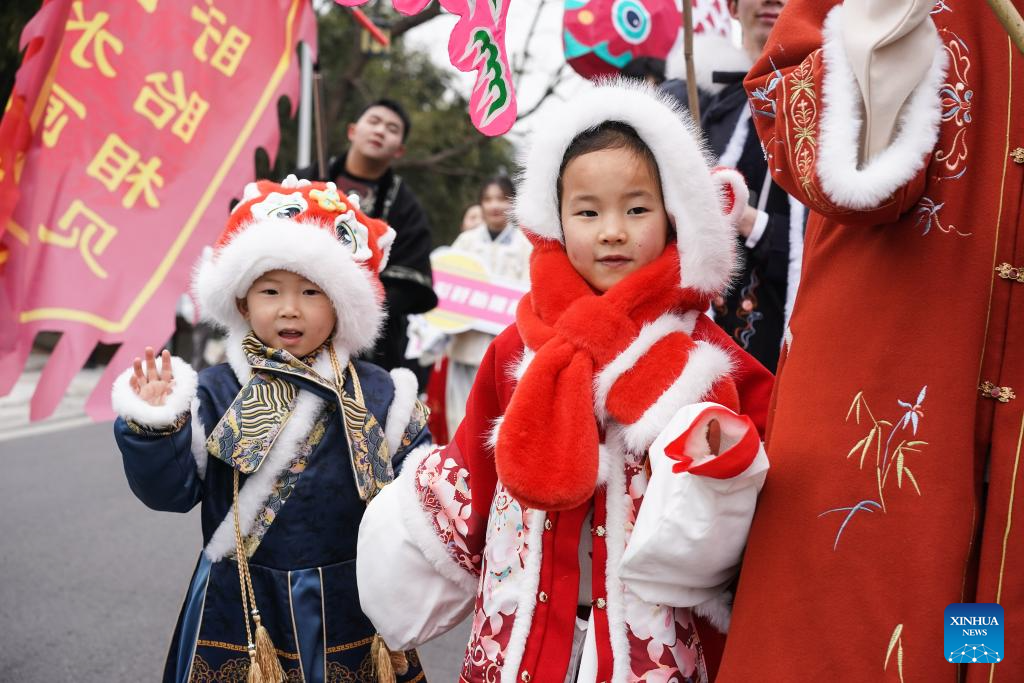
{"x": 504, "y": 249}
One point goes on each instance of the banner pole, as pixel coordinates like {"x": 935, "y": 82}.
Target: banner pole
{"x": 691, "y": 72}
{"x": 318, "y": 127}
{"x": 304, "y": 155}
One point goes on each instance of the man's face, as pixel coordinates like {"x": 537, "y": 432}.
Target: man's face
{"x": 756, "y": 17}
{"x": 378, "y": 134}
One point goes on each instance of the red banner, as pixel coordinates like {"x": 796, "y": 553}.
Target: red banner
{"x": 145, "y": 127}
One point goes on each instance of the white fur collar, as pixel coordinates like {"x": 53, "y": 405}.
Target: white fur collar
{"x": 258, "y": 487}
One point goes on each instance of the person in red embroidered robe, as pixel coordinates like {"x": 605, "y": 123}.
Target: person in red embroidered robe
{"x": 895, "y": 441}
{"x": 592, "y": 507}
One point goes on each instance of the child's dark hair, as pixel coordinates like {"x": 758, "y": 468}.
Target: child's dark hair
{"x": 607, "y": 135}
{"x": 505, "y": 183}
{"x": 395, "y": 107}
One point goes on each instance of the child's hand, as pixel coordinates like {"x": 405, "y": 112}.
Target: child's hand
{"x": 151, "y": 386}
{"x": 714, "y": 437}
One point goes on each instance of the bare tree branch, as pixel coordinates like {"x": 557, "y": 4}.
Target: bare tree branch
{"x": 408, "y": 23}
{"x": 432, "y": 160}
{"x": 556, "y": 81}
{"x": 524, "y": 56}
{"x": 358, "y": 60}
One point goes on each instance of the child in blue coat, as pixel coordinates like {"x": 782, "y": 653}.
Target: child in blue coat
{"x": 282, "y": 446}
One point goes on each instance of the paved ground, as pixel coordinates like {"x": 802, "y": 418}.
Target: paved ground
{"x": 91, "y": 580}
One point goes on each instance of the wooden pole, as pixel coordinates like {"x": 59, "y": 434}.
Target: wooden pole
{"x": 1011, "y": 20}
{"x": 691, "y": 72}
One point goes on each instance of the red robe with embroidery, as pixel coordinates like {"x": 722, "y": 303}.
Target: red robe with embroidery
{"x": 876, "y": 515}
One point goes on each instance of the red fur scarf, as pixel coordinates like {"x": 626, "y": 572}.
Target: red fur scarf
{"x": 547, "y": 447}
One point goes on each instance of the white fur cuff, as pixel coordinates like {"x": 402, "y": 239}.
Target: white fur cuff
{"x": 843, "y": 179}
{"x": 402, "y": 405}
{"x": 128, "y": 405}
{"x": 419, "y": 527}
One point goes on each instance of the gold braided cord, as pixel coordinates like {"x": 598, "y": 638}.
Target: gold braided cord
{"x": 243, "y": 569}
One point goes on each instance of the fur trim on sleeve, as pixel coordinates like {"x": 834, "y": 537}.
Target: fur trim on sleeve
{"x": 866, "y": 186}
{"x": 421, "y": 529}
{"x": 199, "y": 452}
{"x": 128, "y": 405}
{"x": 402, "y": 405}
{"x": 707, "y": 364}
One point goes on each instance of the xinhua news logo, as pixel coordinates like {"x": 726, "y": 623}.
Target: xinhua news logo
{"x": 974, "y": 633}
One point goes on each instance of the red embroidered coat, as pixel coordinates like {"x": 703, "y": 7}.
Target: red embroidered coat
{"x": 876, "y": 516}
{"x": 447, "y": 537}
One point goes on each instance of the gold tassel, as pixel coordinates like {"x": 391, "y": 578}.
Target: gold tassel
{"x": 382, "y": 660}
{"x": 255, "y": 674}
{"x": 266, "y": 653}
{"x": 400, "y": 663}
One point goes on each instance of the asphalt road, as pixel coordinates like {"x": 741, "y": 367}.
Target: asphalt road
{"x": 91, "y": 580}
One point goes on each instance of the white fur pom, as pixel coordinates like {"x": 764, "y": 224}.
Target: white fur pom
{"x": 732, "y": 189}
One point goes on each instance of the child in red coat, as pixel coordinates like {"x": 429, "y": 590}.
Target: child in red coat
{"x": 594, "y": 503}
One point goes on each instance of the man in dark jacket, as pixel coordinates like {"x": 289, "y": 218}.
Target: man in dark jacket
{"x": 756, "y": 309}
{"x": 377, "y": 138}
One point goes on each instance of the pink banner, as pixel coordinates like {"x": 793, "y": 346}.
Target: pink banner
{"x": 153, "y": 111}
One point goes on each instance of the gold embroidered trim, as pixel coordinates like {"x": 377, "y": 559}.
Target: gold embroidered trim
{"x": 349, "y": 646}
{"x": 242, "y": 648}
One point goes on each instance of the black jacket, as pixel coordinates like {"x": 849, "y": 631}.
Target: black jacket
{"x": 753, "y": 312}
{"x": 407, "y": 278}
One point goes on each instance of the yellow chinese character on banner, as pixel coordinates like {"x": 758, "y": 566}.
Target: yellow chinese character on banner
{"x": 94, "y": 35}
{"x": 148, "y": 5}
{"x": 160, "y": 104}
{"x": 57, "y": 106}
{"x": 118, "y": 163}
{"x": 81, "y": 227}
{"x": 231, "y": 44}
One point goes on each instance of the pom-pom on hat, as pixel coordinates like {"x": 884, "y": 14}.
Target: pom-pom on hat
{"x": 309, "y": 229}
{"x": 704, "y": 204}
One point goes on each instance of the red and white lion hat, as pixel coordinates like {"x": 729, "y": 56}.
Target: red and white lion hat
{"x": 309, "y": 229}
{"x": 703, "y": 203}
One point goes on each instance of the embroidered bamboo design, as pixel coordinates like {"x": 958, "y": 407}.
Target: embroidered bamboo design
{"x": 889, "y": 461}
{"x": 896, "y": 641}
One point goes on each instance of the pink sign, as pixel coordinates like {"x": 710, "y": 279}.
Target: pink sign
{"x": 468, "y": 297}
{"x": 149, "y": 117}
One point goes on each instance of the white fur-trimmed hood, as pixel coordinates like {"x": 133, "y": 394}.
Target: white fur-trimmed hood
{"x": 702, "y": 205}
{"x": 309, "y": 250}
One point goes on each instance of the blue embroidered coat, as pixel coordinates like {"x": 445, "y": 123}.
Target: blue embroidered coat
{"x": 303, "y": 569}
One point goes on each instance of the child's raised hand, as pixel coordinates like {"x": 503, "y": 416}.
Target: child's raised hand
{"x": 152, "y": 386}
